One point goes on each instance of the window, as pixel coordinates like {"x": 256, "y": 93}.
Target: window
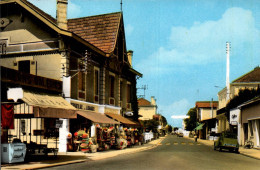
{"x": 112, "y": 86}
{"x": 96, "y": 85}
{"x": 24, "y": 66}
{"x": 128, "y": 93}
{"x": 23, "y": 126}
{"x": 50, "y": 128}
{"x": 121, "y": 90}
{"x": 82, "y": 81}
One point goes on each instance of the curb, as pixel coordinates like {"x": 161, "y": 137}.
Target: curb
{"x": 134, "y": 151}
{"x": 56, "y": 164}
{"x": 87, "y": 160}
{"x": 244, "y": 154}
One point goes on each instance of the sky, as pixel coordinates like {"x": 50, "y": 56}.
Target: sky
{"x": 180, "y": 45}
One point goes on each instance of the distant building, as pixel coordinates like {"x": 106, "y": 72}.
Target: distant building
{"x": 206, "y": 115}
{"x": 147, "y": 109}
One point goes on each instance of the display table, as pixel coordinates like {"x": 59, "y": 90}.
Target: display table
{"x": 13, "y": 152}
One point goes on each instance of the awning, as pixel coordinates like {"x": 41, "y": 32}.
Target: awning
{"x": 121, "y": 119}
{"x": 48, "y": 105}
{"x": 96, "y": 117}
{"x": 199, "y": 127}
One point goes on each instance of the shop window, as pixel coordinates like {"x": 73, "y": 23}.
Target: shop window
{"x": 250, "y": 125}
{"x": 24, "y": 66}
{"x": 23, "y": 127}
{"x": 50, "y": 128}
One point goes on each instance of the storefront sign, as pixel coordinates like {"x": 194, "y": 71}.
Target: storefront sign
{"x": 82, "y": 106}
{"x": 234, "y": 116}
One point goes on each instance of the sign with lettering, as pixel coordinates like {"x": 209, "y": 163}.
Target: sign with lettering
{"x": 83, "y": 106}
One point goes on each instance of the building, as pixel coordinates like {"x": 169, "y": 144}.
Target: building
{"x": 250, "y": 122}
{"x": 250, "y": 80}
{"x": 147, "y": 109}
{"x": 206, "y": 115}
{"x": 88, "y": 55}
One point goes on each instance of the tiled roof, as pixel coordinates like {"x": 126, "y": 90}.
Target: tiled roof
{"x": 100, "y": 30}
{"x": 143, "y": 102}
{"x": 206, "y": 104}
{"x": 41, "y": 12}
{"x": 252, "y": 76}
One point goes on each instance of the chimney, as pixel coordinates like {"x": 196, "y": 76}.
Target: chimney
{"x": 61, "y": 14}
{"x": 153, "y": 101}
{"x": 130, "y": 56}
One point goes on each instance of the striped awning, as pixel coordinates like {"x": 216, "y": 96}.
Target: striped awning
{"x": 96, "y": 117}
{"x": 199, "y": 127}
{"x": 121, "y": 119}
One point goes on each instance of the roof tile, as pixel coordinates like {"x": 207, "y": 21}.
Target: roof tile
{"x": 100, "y": 30}
{"x": 252, "y": 76}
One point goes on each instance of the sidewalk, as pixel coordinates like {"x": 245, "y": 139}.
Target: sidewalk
{"x": 253, "y": 153}
{"x": 76, "y": 157}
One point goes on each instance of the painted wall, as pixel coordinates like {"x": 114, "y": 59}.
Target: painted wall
{"x": 147, "y": 112}
{"x": 206, "y": 113}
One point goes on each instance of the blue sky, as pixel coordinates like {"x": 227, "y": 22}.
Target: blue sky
{"x": 180, "y": 45}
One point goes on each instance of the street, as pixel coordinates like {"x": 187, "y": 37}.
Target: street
{"x": 173, "y": 153}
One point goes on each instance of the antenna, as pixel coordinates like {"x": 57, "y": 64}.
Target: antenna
{"x": 144, "y": 87}
{"x": 121, "y": 5}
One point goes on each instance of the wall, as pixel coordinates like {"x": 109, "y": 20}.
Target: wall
{"x": 207, "y": 114}
{"x": 147, "y": 112}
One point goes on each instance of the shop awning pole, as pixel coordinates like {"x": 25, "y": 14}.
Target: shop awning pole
{"x": 36, "y": 130}
{"x": 30, "y": 130}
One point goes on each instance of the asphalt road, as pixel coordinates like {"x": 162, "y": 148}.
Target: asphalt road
{"x": 173, "y": 153}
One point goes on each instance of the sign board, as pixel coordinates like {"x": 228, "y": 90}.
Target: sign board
{"x": 234, "y": 116}
{"x": 13, "y": 152}
{"x": 59, "y": 123}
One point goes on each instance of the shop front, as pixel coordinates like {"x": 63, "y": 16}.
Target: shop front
{"x": 91, "y": 130}
{"x": 250, "y": 122}
{"x": 38, "y": 119}
{"x": 130, "y": 130}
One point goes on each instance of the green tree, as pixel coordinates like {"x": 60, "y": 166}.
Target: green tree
{"x": 169, "y": 128}
{"x": 151, "y": 125}
{"x": 191, "y": 122}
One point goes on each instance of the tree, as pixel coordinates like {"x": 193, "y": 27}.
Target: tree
{"x": 164, "y": 120}
{"x": 243, "y": 96}
{"x": 151, "y": 125}
{"x": 169, "y": 128}
{"x": 191, "y": 122}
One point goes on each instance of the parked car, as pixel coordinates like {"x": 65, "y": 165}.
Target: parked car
{"x": 227, "y": 141}
{"x": 180, "y": 134}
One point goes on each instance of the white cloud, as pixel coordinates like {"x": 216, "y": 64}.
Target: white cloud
{"x": 179, "y": 117}
{"x": 205, "y": 42}
{"x": 128, "y": 30}
{"x": 176, "y": 112}
{"x": 177, "y": 108}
